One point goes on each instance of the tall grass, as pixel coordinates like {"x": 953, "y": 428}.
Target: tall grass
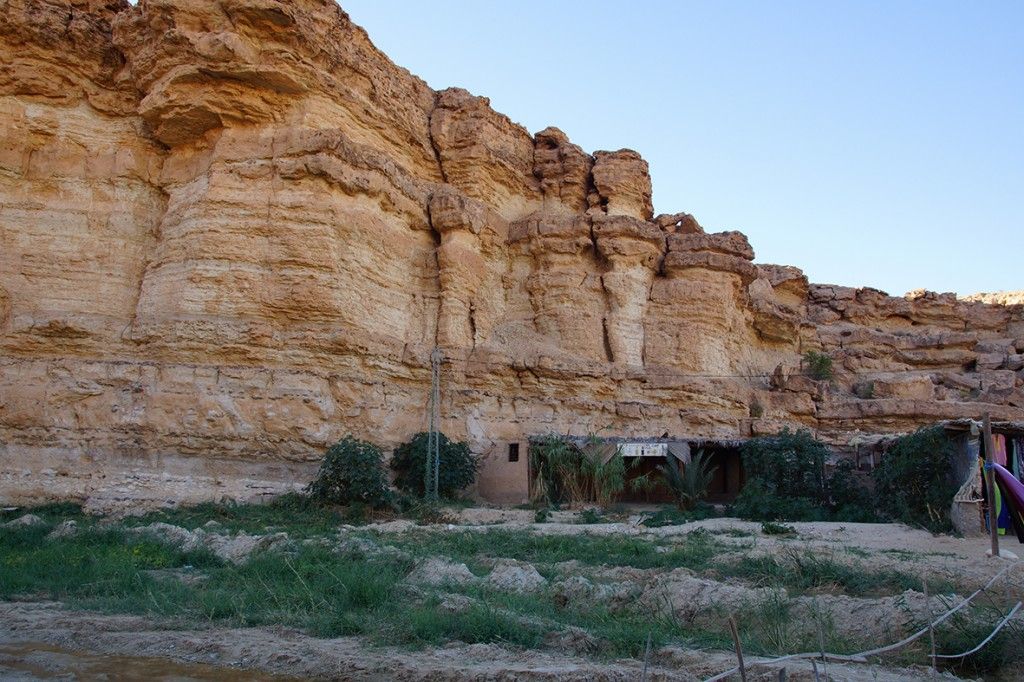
{"x": 293, "y": 512}
{"x": 807, "y": 571}
{"x": 694, "y": 551}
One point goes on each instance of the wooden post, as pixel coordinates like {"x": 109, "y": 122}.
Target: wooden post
{"x": 821, "y": 645}
{"x": 739, "y": 647}
{"x": 990, "y": 481}
{"x": 647, "y": 658}
{"x": 931, "y": 625}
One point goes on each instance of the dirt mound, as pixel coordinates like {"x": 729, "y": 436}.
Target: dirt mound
{"x": 22, "y": 521}
{"x": 438, "y": 571}
{"x": 510, "y": 575}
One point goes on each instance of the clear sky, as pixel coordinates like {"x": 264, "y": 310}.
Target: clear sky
{"x": 869, "y": 143}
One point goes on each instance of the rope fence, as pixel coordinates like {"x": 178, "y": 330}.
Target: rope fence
{"x": 863, "y": 655}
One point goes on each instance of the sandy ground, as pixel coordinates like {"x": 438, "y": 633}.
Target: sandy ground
{"x": 291, "y": 655}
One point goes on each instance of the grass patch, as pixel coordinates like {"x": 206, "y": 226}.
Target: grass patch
{"x": 804, "y": 571}
{"x": 673, "y": 516}
{"x": 94, "y": 564}
{"x": 106, "y": 569}
{"x": 293, "y": 513}
{"x": 695, "y": 551}
{"x": 426, "y": 625}
{"x": 964, "y": 631}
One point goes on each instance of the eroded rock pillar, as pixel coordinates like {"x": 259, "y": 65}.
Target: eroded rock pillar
{"x": 633, "y": 249}
{"x": 461, "y": 266}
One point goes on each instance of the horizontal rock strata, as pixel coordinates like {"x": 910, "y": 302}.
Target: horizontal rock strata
{"x": 232, "y": 231}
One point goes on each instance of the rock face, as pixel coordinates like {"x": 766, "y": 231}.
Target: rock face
{"x": 232, "y": 231}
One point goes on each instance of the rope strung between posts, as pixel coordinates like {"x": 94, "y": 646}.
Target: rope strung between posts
{"x": 862, "y": 656}
{"x": 988, "y": 639}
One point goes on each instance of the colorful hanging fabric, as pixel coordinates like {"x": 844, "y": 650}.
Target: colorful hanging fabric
{"x": 999, "y": 457}
{"x": 999, "y": 449}
{"x": 1018, "y": 456}
{"x": 1012, "y": 492}
{"x": 993, "y": 499}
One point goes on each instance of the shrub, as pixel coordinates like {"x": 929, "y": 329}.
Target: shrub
{"x": 591, "y": 516}
{"x": 819, "y": 365}
{"x": 786, "y": 482}
{"x": 690, "y": 485}
{"x": 785, "y": 478}
{"x": 913, "y": 482}
{"x": 865, "y": 390}
{"x": 772, "y": 528}
{"x": 456, "y": 472}
{"x": 757, "y": 503}
{"x": 352, "y": 472}
{"x": 850, "y": 499}
{"x": 675, "y": 517}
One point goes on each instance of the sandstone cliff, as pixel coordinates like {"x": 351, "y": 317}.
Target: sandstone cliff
{"x": 232, "y": 231}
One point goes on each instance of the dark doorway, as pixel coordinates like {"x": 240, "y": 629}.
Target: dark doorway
{"x": 729, "y": 477}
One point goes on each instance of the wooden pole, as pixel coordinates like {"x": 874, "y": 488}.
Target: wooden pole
{"x": 647, "y": 658}
{"x": 821, "y": 645}
{"x": 739, "y": 647}
{"x": 990, "y": 481}
{"x": 931, "y": 627}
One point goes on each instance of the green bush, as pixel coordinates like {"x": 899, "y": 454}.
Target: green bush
{"x": 850, "y": 499}
{"x": 352, "y": 472}
{"x": 772, "y": 528}
{"x": 785, "y": 478}
{"x": 819, "y": 365}
{"x": 786, "y": 482}
{"x": 913, "y": 482}
{"x": 456, "y": 472}
{"x": 757, "y": 503}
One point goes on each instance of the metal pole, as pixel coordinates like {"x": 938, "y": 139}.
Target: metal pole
{"x": 432, "y": 466}
{"x": 990, "y": 481}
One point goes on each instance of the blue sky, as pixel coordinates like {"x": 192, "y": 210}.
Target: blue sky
{"x": 869, "y": 143}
